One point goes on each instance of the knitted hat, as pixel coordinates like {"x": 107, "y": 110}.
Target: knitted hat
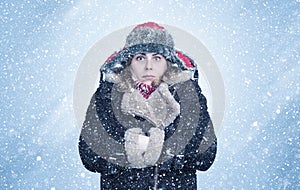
{"x": 147, "y": 38}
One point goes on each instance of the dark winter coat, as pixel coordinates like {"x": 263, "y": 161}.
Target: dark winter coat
{"x": 190, "y": 142}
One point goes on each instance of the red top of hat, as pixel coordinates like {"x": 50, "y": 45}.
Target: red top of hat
{"x": 150, "y": 25}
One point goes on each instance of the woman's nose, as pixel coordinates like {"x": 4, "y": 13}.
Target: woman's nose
{"x": 148, "y": 65}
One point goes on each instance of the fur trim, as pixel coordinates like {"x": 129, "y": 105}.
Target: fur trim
{"x": 173, "y": 109}
{"x": 163, "y": 107}
{"x": 146, "y": 33}
{"x": 176, "y": 76}
{"x": 160, "y": 108}
{"x": 112, "y": 77}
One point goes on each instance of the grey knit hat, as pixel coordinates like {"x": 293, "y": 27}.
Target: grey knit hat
{"x": 147, "y": 38}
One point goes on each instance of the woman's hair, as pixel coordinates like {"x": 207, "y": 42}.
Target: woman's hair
{"x": 126, "y": 82}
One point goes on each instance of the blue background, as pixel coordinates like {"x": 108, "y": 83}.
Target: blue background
{"x": 255, "y": 44}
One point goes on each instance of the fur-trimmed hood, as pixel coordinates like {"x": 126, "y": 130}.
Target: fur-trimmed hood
{"x": 146, "y": 38}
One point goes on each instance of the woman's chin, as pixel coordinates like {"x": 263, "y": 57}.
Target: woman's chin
{"x": 148, "y": 82}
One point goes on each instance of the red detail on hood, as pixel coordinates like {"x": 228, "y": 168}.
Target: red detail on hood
{"x": 188, "y": 63}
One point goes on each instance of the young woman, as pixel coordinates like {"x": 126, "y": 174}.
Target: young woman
{"x": 147, "y": 125}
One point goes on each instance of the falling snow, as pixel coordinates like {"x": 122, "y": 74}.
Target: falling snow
{"x": 255, "y": 44}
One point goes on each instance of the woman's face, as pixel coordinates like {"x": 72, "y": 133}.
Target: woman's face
{"x": 147, "y": 67}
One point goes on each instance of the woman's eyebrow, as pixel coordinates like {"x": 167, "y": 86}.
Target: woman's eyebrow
{"x": 141, "y": 54}
{"x": 156, "y": 54}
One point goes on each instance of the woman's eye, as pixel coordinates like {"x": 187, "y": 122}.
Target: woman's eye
{"x": 140, "y": 58}
{"x": 157, "y": 58}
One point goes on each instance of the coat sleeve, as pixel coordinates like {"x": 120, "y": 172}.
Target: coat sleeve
{"x": 201, "y": 151}
{"x": 90, "y": 159}
{"x": 92, "y": 138}
{"x": 204, "y": 156}
{"x": 93, "y": 162}
{"x": 200, "y": 159}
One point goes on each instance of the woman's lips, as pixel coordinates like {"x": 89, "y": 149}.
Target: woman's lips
{"x": 148, "y": 77}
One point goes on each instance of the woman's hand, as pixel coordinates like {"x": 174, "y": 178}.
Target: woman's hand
{"x": 141, "y": 150}
{"x": 155, "y": 146}
{"x": 134, "y": 149}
